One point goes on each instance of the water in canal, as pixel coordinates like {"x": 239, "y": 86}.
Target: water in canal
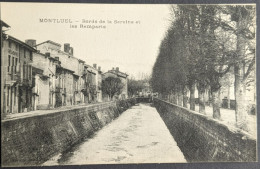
{"x": 137, "y": 136}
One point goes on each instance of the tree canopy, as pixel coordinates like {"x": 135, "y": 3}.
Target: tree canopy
{"x": 112, "y": 86}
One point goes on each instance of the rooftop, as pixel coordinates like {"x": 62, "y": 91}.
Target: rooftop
{"x": 3, "y": 24}
{"x": 49, "y": 41}
{"x": 20, "y": 42}
{"x": 118, "y": 73}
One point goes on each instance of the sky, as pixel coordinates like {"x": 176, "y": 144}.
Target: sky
{"x": 131, "y": 47}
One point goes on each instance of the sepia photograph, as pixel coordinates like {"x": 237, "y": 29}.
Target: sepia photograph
{"x": 88, "y": 84}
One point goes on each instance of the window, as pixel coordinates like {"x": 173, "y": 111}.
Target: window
{"x": 12, "y": 65}
{"x": 8, "y": 93}
{"x": 15, "y": 96}
{"x": 24, "y": 71}
{"x": 9, "y": 63}
{"x": 16, "y": 47}
{"x": 31, "y": 57}
{"x": 15, "y": 65}
{"x": 29, "y": 72}
{"x": 24, "y": 53}
{"x": 9, "y": 44}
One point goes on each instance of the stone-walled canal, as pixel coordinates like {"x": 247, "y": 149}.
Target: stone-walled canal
{"x": 121, "y": 132}
{"x": 32, "y": 138}
{"x": 138, "y": 136}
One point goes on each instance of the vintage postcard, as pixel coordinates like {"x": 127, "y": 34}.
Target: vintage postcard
{"x": 92, "y": 83}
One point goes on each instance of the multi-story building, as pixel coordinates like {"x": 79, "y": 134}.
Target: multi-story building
{"x": 17, "y": 57}
{"x": 4, "y": 27}
{"x": 68, "y": 72}
{"x": 43, "y": 76}
{"x": 46, "y": 90}
{"x": 122, "y": 76}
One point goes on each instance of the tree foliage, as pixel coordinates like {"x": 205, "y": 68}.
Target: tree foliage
{"x": 203, "y": 43}
{"x": 112, "y": 86}
{"x": 135, "y": 86}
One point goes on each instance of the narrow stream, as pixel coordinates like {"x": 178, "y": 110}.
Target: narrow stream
{"x": 139, "y": 135}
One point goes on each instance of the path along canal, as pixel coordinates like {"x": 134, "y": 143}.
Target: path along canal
{"x": 139, "y": 135}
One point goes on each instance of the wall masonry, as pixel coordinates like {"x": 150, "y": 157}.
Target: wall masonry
{"x": 202, "y": 139}
{"x": 33, "y": 140}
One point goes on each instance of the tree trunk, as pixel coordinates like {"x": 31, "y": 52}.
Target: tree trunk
{"x": 241, "y": 113}
{"x": 201, "y": 101}
{"x": 192, "y": 97}
{"x": 184, "y": 92}
{"x": 180, "y": 97}
{"x": 174, "y": 97}
{"x": 216, "y": 104}
{"x": 177, "y": 97}
{"x": 228, "y": 98}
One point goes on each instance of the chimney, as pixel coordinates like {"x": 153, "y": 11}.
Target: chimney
{"x": 71, "y": 51}
{"x": 67, "y": 47}
{"x": 31, "y": 42}
{"x": 48, "y": 54}
{"x": 99, "y": 68}
{"x": 95, "y": 65}
{"x": 117, "y": 69}
{"x": 113, "y": 68}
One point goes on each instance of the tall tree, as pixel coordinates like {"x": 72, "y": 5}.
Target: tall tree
{"x": 244, "y": 17}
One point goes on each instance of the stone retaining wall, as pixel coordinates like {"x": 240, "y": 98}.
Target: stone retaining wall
{"x": 33, "y": 140}
{"x": 202, "y": 139}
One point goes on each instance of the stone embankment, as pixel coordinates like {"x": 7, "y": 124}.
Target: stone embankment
{"x": 33, "y": 139}
{"x": 202, "y": 139}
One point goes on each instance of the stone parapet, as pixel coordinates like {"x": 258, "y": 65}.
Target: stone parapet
{"x": 202, "y": 139}
{"x": 33, "y": 139}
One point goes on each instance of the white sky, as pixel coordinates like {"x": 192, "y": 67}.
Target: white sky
{"x": 132, "y": 48}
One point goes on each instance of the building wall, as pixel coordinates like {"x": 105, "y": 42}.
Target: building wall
{"x": 81, "y": 82}
{"x": 17, "y": 76}
{"x": 69, "y": 87}
{"x": 41, "y": 93}
{"x": 46, "y": 83}
{"x": 70, "y": 74}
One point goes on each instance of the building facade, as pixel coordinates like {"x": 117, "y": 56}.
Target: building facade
{"x": 66, "y": 90}
{"x": 46, "y": 81}
{"x": 17, "y": 80}
{"x": 43, "y": 76}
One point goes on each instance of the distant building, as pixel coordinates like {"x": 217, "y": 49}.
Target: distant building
{"x": 123, "y": 78}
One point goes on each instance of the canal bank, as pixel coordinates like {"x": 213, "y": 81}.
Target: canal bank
{"x": 203, "y": 139}
{"x": 32, "y": 139}
{"x": 139, "y": 135}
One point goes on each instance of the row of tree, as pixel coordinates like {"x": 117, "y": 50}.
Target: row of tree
{"x": 203, "y": 44}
